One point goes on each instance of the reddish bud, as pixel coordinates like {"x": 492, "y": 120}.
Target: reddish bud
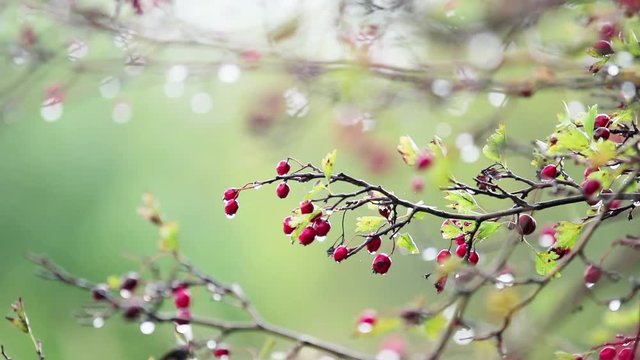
{"x": 231, "y": 194}
{"x": 590, "y": 187}
{"x": 221, "y": 352}
{"x": 286, "y": 227}
{"x": 443, "y": 255}
{"x": 461, "y": 250}
{"x": 307, "y": 236}
{"x": 129, "y": 282}
{"x": 340, "y": 253}
{"x": 417, "y": 184}
{"x": 368, "y": 317}
{"x": 592, "y": 274}
{"x": 381, "y": 264}
{"x": 100, "y": 292}
{"x": 603, "y": 47}
{"x": 184, "y": 315}
{"x": 373, "y": 244}
{"x": 132, "y": 312}
{"x": 602, "y": 120}
{"x": 282, "y": 190}
{"x": 526, "y": 224}
{"x": 306, "y": 207}
{"x": 283, "y": 168}
{"x": 549, "y": 172}
{"x": 231, "y": 207}
{"x": 322, "y": 227}
{"x": 424, "y": 160}
{"x": 474, "y": 258}
{"x": 601, "y": 133}
{"x": 182, "y": 298}
{"x": 460, "y": 239}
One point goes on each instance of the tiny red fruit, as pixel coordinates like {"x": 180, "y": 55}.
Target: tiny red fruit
{"x": 603, "y": 47}
{"x": 381, "y": 264}
{"x": 340, "y": 253}
{"x": 625, "y": 354}
{"x": 100, "y": 292}
{"x": 182, "y": 298}
{"x": 322, "y": 227}
{"x": 368, "y": 317}
{"x": 221, "y": 352}
{"x": 286, "y": 226}
{"x": 607, "y": 353}
{"x": 132, "y": 312}
{"x": 282, "y": 190}
{"x": 231, "y": 207}
{"x": 590, "y": 187}
{"x": 129, "y": 282}
{"x": 373, "y": 244}
{"x": 602, "y": 120}
{"x": 231, "y": 194}
{"x": 601, "y": 133}
{"x": 306, "y": 207}
{"x": 417, "y": 184}
{"x": 526, "y": 224}
{"x": 592, "y": 274}
{"x": 461, "y": 250}
{"x": 443, "y": 255}
{"x": 460, "y": 239}
{"x": 473, "y": 258}
{"x": 549, "y": 172}
{"x": 384, "y": 211}
{"x": 307, "y": 236}
{"x": 424, "y": 161}
{"x": 283, "y": 168}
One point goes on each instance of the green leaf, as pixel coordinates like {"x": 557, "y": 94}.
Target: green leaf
{"x": 440, "y": 172}
{"x": 567, "y": 234}
{"x": 571, "y": 138}
{"x": 546, "y": 262}
{"x": 589, "y": 120}
{"x": 561, "y": 355}
{"x": 462, "y": 201}
{"x": 601, "y": 152}
{"x": 450, "y": 229}
{"x": 408, "y": 150}
{"x": 487, "y": 228}
{"x": 169, "y": 236}
{"x": 328, "y": 163}
{"x": 434, "y": 326}
{"x": 300, "y": 222}
{"x": 369, "y": 224}
{"x": 404, "y": 241}
{"x": 316, "y": 189}
{"x": 496, "y": 144}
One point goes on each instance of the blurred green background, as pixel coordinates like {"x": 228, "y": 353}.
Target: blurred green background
{"x": 70, "y": 188}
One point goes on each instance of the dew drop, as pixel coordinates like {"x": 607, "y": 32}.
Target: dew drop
{"x": 463, "y": 336}
{"x": 387, "y": 354}
{"x": 470, "y": 154}
{"x": 217, "y": 297}
{"x": 429, "y": 254}
{"x": 497, "y": 99}
{"x": 147, "y": 327}
{"x": 320, "y": 238}
{"x": 257, "y": 186}
{"x": 51, "y": 111}
{"x": 177, "y": 73}
{"x": 296, "y": 102}
{"x": 126, "y": 294}
{"x": 78, "y": 49}
{"x": 589, "y": 285}
{"x": 211, "y": 344}
{"x": 230, "y": 216}
{"x": 441, "y": 87}
{"x": 98, "y": 322}
{"x": 109, "y": 87}
{"x": 628, "y": 90}
{"x": 613, "y": 70}
{"x": 122, "y": 113}
{"x": 614, "y": 305}
{"x": 546, "y": 240}
{"x": 229, "y": 73}
{"x": 464, "y": 139}
{"x": 365, "y": 328}
{"x": 278, "y": 355}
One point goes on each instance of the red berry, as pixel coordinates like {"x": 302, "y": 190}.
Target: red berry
{"x": 129, "y": 282}
{"x": 549, "y": 172}
{"x": 607, "y": 30}
{"x": 553, "y": 140}
{"x": 424, "y": 161}
{"x": 526, "y": 224}
{"x": 183, "y": 317}
{"x": 282, "y": 190}
{"x": 603, "y": 47}
{"x": 440, "y": 283}
{"x": 221, "y": 352}
{"x": 373, "y": 244}
{"x": 625, "y": 354}
{"x": 607, "y": 353}
{"x": 322, "y": 227}
{"x": 286, "y": 226}
{"x": 231, "y": 207}
{"x": 590, "y": 187}
{"x": 473, "y": 258}
{"x": 283, "y": 168}
{"x": 443, "y": 255}
{"x": 381, "y": 264}
{"x": 417, "y": 184}
{"x": 307, "y": 236}
{"x": 368, "y": 317}
{"x": 384, "y": 211}
{"x": 602, "y": 120}
{"x": 100, "y": 292}
{"x": 601, "y": 133}
{"x": 231, "y": 194}
{"x": 592, "y": 274}
{"x": 461, "y": 250}
{"x": 181, "y": 298}
{"x": 340, "y": 253}
{"x": 306, "y": 207}
{"x": 460, "y": 239}
{"x": 132, "y": 312}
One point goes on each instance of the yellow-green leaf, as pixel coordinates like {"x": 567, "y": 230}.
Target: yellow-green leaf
{"x": 169, "y": 236}
{"x": 589, "y": 120}
{"x": 328, "y": 163}
{"x": 496, "y": 145}
{"x": 408, "y": 150}
{"x": 434, "y": 326}
{"x": 567, "y": 234}
{"x": 487, "y": 228}
{"x": 369, "y": 224}
{"x": 461, "y": 201}
{"x": 546, "y": 262}
{"x": 405, "y": 241}
{"x": 601, "y": 152}
{"x": 316, "y": 189}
